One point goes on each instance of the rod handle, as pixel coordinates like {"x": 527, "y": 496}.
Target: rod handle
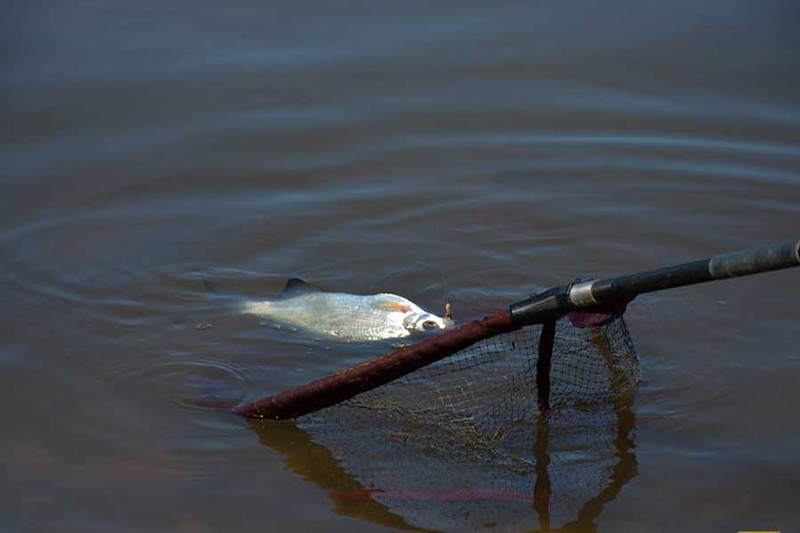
{"x": 754, "y": 261}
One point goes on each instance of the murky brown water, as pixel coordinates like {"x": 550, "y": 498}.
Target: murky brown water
{"x": 159, "y": 160}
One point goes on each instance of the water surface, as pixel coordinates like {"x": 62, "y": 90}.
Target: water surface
{"x": 159, "y": 161}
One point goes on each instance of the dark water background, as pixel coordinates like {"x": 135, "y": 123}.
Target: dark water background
{"x": 462, "y": 151}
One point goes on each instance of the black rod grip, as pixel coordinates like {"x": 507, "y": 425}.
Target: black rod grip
{"x": 755, "y": 261}
{"x": 627, "y": 287}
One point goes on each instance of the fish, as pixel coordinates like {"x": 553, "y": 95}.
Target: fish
{"x": 346, "y": 317}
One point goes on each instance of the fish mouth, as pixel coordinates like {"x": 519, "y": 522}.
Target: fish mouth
{"x": 428, "y": 322}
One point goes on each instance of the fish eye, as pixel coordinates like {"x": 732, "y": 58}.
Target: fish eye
{"x": 430, "y": 324}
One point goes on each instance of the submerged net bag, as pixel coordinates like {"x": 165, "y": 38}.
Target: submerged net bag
{"x": 475, "y": 397}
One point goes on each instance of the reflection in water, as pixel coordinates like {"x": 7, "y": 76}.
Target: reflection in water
{"x": 568, "y": 466}
{"x": 318, "y": 464}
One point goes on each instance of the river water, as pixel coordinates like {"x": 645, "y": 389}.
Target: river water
{"x": 159, "y": 159}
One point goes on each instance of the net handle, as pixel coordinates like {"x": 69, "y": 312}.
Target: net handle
{"x": 593, "y": 293}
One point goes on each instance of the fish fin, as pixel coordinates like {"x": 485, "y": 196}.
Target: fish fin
{"x": 394, "y": 306}
{"x": 295, "y": 286}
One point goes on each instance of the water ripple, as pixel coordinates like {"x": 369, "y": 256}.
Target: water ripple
{"x": 200, "y": 384}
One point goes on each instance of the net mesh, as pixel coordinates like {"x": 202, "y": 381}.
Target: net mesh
{"x": 477, "y": 395}
{"x": 462, "y": 443}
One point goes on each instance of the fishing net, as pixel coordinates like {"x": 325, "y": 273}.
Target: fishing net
{"x": 478, "y": 395}
{"x": 520, "y": 420}
{"x": 463, "y": 444}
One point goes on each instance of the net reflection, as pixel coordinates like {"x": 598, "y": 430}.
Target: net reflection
{"x": 555, "y": 474}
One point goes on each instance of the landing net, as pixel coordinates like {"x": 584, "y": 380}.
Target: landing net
{"x": 521, "y": 418}
{"x": 477, "y": 398}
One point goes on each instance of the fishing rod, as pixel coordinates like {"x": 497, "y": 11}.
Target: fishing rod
{"x": 604, "y": 296}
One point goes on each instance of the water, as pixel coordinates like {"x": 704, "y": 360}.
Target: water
{"x": 159, "y": 160}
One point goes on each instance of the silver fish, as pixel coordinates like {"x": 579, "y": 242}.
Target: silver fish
{"x": 347, "y": 317}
